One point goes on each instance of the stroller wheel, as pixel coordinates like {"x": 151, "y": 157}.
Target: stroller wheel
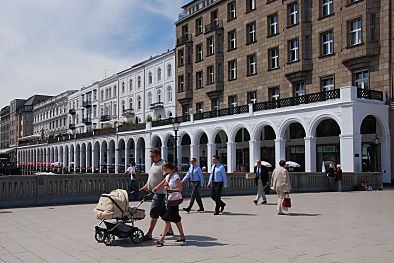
{"x": 99, "y": 236}
{"x": 109, "y": 239}
{"x": 137, "y": 236}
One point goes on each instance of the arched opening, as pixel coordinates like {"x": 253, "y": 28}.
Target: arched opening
{"x": 140, "y": 158}
{"x": 104, "y": 157}
{"x": 89, "y": 158}
{"x": 171, "y": 149}
{"x": 121, "y": 156}
{"x": 77, "y": 159}
{"x": 83, "y": 158}
{"x": 266, "y": 141}
{"x": 185, "y": 152}
{"x": 242, "y": 156}
{"x": 96, "y": 159}
{"x": 203, "y": 150}
{"x": 130, "y": 156}
{"x": 371, "y": 137}
{"x": 295, "y": 146}
{"x": 111, "y": 157}
{"x": 72, "y": 159}
{"x": 221, "y": 140}
{"x": 327, "y": 144}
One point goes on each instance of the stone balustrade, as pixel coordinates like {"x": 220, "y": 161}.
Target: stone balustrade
{"x": 31, "y": 190}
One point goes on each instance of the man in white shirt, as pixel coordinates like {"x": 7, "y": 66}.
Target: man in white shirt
{"x": 195, "y": 176}
{"x": 133, "y": 184}
{"x": 218, "y": 180}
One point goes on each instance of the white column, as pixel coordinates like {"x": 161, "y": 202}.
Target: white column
{"x": 231, "y": 156}
{"x": 310, "y": 154}
{"x": 117, "y": 153}
{"x": 386, "y": 158}
{"x": 280, "y": 151}
{"x": 164, "y": 153}
{"x": 254, "y": 154}
{"x": 351, "y": 152}
{"x": 211, "y": 150}
{"x": 126, "y": 156}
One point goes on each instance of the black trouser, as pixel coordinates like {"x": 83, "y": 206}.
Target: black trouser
{"x": 196, "y": 195}
{"x": 133, "y": 187}
{"x": 216, "y": 195}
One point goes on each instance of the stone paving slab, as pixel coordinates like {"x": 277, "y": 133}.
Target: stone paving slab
{"x": 321, "y": 227}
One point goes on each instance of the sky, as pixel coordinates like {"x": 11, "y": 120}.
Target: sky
{"x": 50, "y": 46}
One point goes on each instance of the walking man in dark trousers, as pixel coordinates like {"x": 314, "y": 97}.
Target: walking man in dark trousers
{"x": 218, "y": 180}
{"x": 195, "y": 176}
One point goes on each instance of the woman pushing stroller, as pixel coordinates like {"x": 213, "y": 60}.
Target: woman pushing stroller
{"x": 173, "y": 185}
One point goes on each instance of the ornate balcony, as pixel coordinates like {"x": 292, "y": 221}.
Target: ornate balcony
{"x": 87, "y": 121}
{"x": 71, "y": 126}
{"x": 214, "y": 25}
{"x": 87, "y": 103}
{"x": 156, "y": 106}
{"x": 105, "y": 118}
{"x": 183, "y": 39}
{"x": 72, "y": 111}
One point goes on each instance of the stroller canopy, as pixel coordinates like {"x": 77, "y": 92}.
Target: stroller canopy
{"x": 113, "y": 205}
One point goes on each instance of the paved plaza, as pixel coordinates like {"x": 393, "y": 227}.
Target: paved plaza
{"x": 321, "y": 227}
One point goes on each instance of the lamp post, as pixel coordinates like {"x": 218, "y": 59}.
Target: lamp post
{"x": 175, "y": 126}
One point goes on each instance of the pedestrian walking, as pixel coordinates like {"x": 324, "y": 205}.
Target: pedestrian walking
{"x": 338, "y": 178}
{"x": 132, "y": 182}
{"x": 158, "y": 205}
{"x": 281, "y": 184}
{"x": 261, "y": 181}
{"x": 173, "y": 185}
{"x": 195, "y": 176}
{"x": 217, "y": 180}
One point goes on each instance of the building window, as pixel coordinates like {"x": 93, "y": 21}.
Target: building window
{"x": 185, "y": 30}
{"x": 292, "y": 14}
{"x": 214, "y": 17}
{"x": 199, "y": 54}
{"x": 199, "y": 79}
{"x": 123, "y": 87}
{"x": 198, "y": 26}
{"x": 327, "y": 83}
{"x": 181, "y": 57}
{"x": 215, "y": 104}
{"x": 232, "y": 70}
{"x": 231, "y": 11}
{"x": 355, "y": 32}
{"x": 210, "y": 46}
{"x": 185, "y": 109}
{"x": 169, "y": 71}
{"x": 353, "y": 1}
{"x": 115, "y": 110}
{"x": 299, "y": 89}
{"x": 252, "y": 66}
{"x": 149, "y": 99}
{"x": 123, "y": 106}
{"x": 131, "y": 103}
{"x": 327, "y": 7}
{"x": 327, "y": 43}
{"x": 232, "y": 101}
{"x": 273, "y": 93}
{"x": 150, "y": 78}
{"x": 139, "y": 82}
{"x": 252, "y": 97}
{"x": 293, "y": 50}
{"x": 251, "y": 33}
{"x": 159, "y": 74}
{"x": 95, "y": 95}
{"x": 232, "y": 40}
{"x": 250, "y": 5}
{"x": 361, "y": 79}
{"x": 114, "y": 91}
{"x": 159, "y": 95}
{"x": 200, "y": 107}
{"x": 131, "y": 85}
{"x": 273, "y": 58}
{"x": 139, "y": 102}
{"x": 181, "y": 83}
{"x": 210, "y": 75}
{"x": 169, "y": 92}
{"x": 273, "y": 26}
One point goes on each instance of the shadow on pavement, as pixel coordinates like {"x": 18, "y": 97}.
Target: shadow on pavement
{"x": 202, "y": 241}
{"x": 302, "y": 214}
{"x": 237, "y": 214}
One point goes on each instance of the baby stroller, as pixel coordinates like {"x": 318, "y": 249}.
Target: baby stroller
{"x": 114, "y": 212}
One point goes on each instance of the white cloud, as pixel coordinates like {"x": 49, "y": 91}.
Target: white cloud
{"x": 49, "y": 46}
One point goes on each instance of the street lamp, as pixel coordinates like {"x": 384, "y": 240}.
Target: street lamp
{"x": 175, "y": 126}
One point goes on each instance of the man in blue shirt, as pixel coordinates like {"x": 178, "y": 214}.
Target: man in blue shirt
{"x": 195, "y": 176}
{"x": 218, "y": 180}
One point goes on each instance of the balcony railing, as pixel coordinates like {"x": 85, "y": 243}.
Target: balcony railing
{"x": 105, "y": 131}
{"x": 105, "y": 118}
{"x": 156, "y": 105}
{"x": 292, "y": 101}
{"x": 84, "y": 135}
{"x": 183, "y": 39}
{"x": 71, "y": 126}
{"x": 132, "y": 127}
{"x": 184, "y": 118}
{"x": 128, "y": 112}
{"x": 221, "y": 112}
{"x": 213, "y": 26}
{"x": 87, "y": 121}
{"x": 370, "y": 94}
{"x": 72, "y": 111}
{"x": 87, "y": 103}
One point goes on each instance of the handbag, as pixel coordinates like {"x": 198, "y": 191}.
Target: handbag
{"x": 286, "y": 202}
{"x": 174, "y": 199}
